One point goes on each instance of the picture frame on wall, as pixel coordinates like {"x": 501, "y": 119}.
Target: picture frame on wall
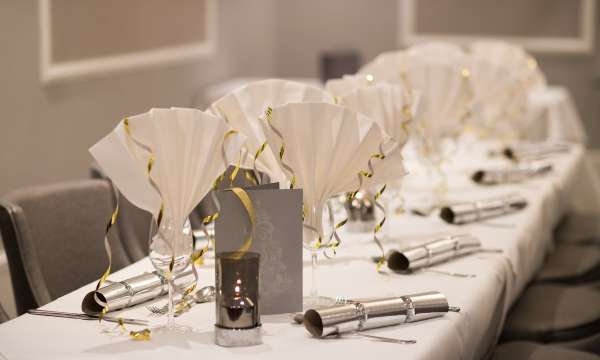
{"x": 540, "y": 26}
{"x": 86, "y": 39}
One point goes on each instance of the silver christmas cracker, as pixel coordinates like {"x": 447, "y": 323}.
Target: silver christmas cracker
{"x": 432, "y": 252}
{"x": 359, "y": 316}
{"x": 480, "y": 210}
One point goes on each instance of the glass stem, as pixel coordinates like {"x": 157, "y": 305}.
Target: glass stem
{"x": 171, "y": 313}
{"x": 314, "y": 292}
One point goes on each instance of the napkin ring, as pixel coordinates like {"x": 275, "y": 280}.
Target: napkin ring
{"x": 363, "y": 314}
{"x": 410, "y": 308}
{"x": 429, "y": 255}
{"x": 130, "y": 292}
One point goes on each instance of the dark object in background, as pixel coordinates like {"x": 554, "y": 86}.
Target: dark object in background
{"x": 335, "y": 64}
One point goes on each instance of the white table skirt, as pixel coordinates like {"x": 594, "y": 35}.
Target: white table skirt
{"x": 524, "y": 237}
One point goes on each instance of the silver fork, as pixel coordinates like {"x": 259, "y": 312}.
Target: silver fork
{"x": 204, "y": 294}
{"x": 81, "y": 316}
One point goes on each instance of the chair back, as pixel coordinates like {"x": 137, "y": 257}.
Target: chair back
{"x": 54, "y": 239}
{"x": 3, "y": 315}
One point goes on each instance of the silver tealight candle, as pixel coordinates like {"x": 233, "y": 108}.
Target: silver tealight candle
{"x": 237, "y": 312}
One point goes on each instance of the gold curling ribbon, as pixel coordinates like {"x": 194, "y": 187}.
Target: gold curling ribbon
{"x": 256, "y": 155}
{"x": 196, "y": 259}
{"x": 251, "y": 177}
{"x": 378, "y": 227}
{"x": 335, "y": 237}
{"x": 268, "y": 117}
{"x": 211, "y": 218}
{"x": 368, "y": 174}
{"x": 141, "y": 335}
{"x": 244, "y": 198}
{"x": 107, "y": 248}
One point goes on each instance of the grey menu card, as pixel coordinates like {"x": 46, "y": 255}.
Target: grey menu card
{"x": 277, "y": 237}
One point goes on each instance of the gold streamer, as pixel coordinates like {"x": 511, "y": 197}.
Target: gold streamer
{"x": 368, "y": 174}
{"x": 378, "y": 227}
{"x": 244, "y": 198}
{"x": 109, "y": 224}
{"x": 256, "y": 155}
{"x": 268, "y": 116}
{"x": 142, "y": 335}
{"x": 213, "y": 217}
{"x": 108, "y": 250}
{"x": 251, "y": 177}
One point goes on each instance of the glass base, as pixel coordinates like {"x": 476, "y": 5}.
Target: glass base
{"x": 316, "y": 302}
{"x": 171, "y": 329}
{"x": 238, "y": 337}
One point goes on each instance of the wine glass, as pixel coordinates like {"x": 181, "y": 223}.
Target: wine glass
{"x": 170, "y": 251}
{"x": 310, "y": 240}
{"x": 431, "y": 155}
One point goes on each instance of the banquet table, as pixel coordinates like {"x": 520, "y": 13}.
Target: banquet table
{"x": 524, "y": 237}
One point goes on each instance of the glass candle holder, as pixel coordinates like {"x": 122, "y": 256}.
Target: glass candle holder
{"x": 237, "y": 311}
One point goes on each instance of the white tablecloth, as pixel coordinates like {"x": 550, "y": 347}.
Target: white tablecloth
{"x": 524, "y": 237}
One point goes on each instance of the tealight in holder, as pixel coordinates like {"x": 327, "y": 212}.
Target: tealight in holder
{"x": 237, "y": 312}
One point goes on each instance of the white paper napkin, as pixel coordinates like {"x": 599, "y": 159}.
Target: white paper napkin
{"x": 187, "y": 146}
{"x": 244, "y": 110}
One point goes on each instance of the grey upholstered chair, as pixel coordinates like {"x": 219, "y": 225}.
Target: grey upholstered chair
{"x": 571, "y": 264}
{"x": 556, "y": 314}
{"x": 54, "y": 239}
{"x": 523, "y": 350}
{"x": 579, "y": 229}
{"x": 3, "y": 315}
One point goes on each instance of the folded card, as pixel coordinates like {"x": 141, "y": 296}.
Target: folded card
{"x": 277, "y": 237}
